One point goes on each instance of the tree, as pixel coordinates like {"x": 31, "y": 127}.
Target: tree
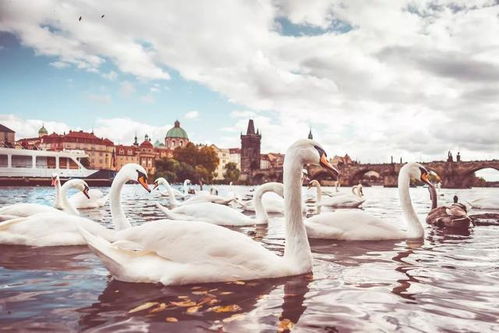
{"x": 203, "y": 160}
{"x": 231, "y": 172}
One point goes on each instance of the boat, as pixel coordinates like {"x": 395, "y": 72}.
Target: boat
{"x": 36, "y": 167}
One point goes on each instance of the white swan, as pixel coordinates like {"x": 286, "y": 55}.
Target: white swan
{"x": 339, "y": 201}
{"x": 273, "y": 203}
{"x": 194, "y": 199}
{"x": 95, "y": 199}
{"x": 358, "y": 225}
{"x": 185, "y": 252}
{"x": 485, "y": 203}
{"x": 60, "y": 229}
{"x": 222, "y": 215}
{"x": 177, "y": 193}
{"x": 28, "y": 209}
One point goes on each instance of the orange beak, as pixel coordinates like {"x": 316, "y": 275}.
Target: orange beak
{"x": 424, "y": 179}
{"x": 143, "y": 182}
{"x": 324, "y": 162}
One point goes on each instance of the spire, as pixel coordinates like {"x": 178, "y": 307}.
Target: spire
{"x": 251, "y": 127}
{"x": 310, "y": 136}
{"x": 135, "y": 142}
{"x": 177, "y": 123}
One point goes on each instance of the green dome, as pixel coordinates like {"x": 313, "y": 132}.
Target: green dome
{"x": 42, "y": 131}
{"x": 176, "y": 131}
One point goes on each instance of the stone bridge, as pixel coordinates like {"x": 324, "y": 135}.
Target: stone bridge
{"x": 453, "y": 174}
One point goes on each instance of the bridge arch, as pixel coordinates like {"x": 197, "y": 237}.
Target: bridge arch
{"x": 468, "y": 176}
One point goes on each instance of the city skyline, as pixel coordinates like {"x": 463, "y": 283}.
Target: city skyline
{"x": 415, "y": 93}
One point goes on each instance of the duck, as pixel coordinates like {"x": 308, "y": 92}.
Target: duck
{"x": 454, "y": 216}
{"x": 187, "y": 252}
{"x": 61, "y": 229}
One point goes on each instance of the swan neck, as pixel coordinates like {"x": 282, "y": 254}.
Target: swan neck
{"x": 118, "y": 215}
{"x": 57, "y": 199}
{"x": 171, "y": 195}
{"x": 414, "y": 227}
{"x": 297, "y": 248}
{"x": 318, "y": 198}
{"x": 260, "y": 211}
{"x": 63, "y": 197}
{"x": 433, "y": 196}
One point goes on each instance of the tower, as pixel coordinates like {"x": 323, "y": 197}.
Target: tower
{"x": 250, "y": 149}
{"x": 310, "y": 136}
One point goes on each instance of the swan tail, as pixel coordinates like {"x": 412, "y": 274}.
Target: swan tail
{"x": 169, "y": 214}
{"x": 9, "y": 222}
{"x": 7, "y": 217}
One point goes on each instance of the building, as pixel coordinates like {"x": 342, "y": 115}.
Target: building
{"x": 342, "y": 160}
{"x": 226, "y": 155}
{"x": 100, "y": 151}
{"x": 7, "y": 137}
{"x": 176, "y": 137}
{"x": 124, "y": 155}
{"x": 42, "y": 131}
{"x": 250, "y": 149}
{"x": 271, "y": 160}
{"x": 147, "y": 155}
{"x": 310, "y": 136}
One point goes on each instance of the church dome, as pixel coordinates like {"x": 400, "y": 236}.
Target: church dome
{"x": 42, "y": 131}
{"x": 176, "y": 131}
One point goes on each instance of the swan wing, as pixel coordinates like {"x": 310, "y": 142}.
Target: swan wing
{"x": 182, "y": 252}
{"x": 214, "y": 213}
{"x": 27, "y": 209}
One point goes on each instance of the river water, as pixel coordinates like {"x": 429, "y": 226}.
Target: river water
{"x": 448, "y": 282}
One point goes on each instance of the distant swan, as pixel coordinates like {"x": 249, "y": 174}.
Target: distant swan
{"x": 60, "y": 229}
{"x": 338, "y": 201}
{"x": 358, "y": 225}
{"x": 28, "y": 209}
{"x": 186, "y": 252}
{"x": 485, "y": 203}
{"x": 95, "y": 199}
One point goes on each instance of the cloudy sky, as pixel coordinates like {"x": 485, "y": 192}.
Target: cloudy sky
{"x": 402, "y": 78}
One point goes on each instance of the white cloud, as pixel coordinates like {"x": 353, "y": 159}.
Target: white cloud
{"x": 111, "y": 75}
{"x": 410, "y": 78}
{"x": 28, "y": 128}
{"x": 127, "y": 88}
{"x": 59, "y": 64}
{"x": 149, "y": 99}
{"x": 191, "y": 115}
{"x": 101, "y": 99}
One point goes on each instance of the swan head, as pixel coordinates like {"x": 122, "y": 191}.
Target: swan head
{"x": 418, "y": 172}
{"x": 159, "y": 181}
{"x": 135, "y": 172}
{"x": 55, "y": 179}
{"x": 187, "y": 181}
{"x": 81, "y": 185}
{"x": 311, "y": 152}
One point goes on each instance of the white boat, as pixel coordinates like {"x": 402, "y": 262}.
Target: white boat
{"x": 23, "y": 163}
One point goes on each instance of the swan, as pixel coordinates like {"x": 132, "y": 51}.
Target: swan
{"x": 358, "y": 225}
{"x": 273, "y": 204}
{"x": 61, "y": 200}
{"x": 222, "y": 215}
{"x": 194, "y": 199}
{"x": 485, "y": 203}
{"x": 79, "y": 200}
{"x": 177, "y": 193}
{"x": 454, "y": 216}
{"x": 61, "y": 229}
{"x": 187, "y": 252}
{"x": 339, "y": 201}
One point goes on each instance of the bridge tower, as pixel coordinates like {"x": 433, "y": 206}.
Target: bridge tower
{"x": 250, "y": 149}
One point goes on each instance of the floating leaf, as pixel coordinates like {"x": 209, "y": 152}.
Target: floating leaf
{"x": 208, "y": 299}
{"x": 159, "y": 308}
{"x": 285, "y": 325}
{"x": 226, "y": 293}
{"x": 144, "y": 306}
{"x": 196, "y": 287}
{"x": 171, "y": 319}
{"x": 237, "y": 316}
{"x": 213, "y": 290}
{"x": 193, "y": 309}
{"x": 200, "y": 292}
{"x": 184, "y": 304}
{"x": 226, "y": 308}
{"x": 239, "y": 283}
{"x": 183, "y": 297}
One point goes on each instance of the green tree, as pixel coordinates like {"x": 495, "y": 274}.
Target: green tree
{"x": 231, "y": 172}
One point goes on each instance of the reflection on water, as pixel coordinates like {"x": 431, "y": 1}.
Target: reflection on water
{"x": 446, "y": 282}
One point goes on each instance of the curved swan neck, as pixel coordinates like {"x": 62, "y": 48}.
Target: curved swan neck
{"x": 63, "y": 197}
{"x": 318, "y": 197}
{"x": 119, "y": 219}
{"x": 433, "y": 196}
{"x": 414, "y": 227}
{"x": 297, "y": 248}
{"x": 57, "y": 199}
{"x": 186, "y": 189}
{"x": 171, "y": 195}
{"x": 260, "y": 210}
